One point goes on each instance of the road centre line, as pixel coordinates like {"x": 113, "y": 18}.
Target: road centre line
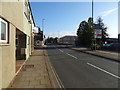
{"x": 71, "y": 55}
{"x": 60, "y": 50}
{"x": 104, "y": 70}
{"x": 68, "y": 54}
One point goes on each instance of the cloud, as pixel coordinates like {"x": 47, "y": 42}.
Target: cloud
{"x": 106, "y": 13}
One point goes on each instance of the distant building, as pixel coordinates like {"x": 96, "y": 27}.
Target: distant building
{"x": 38, "y": 36}
{"x": 36, "y": 30}
{"x": 67, "y": 40}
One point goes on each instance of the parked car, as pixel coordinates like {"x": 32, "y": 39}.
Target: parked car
{"x": 106, "y": 45}
{"x": 111, "y": 46}
{"x": 116, "y": 45}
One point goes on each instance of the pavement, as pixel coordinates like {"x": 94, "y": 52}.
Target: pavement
{"x": 105, "y": 54}
{"x": 82, "y": 70}
{"x": 37, "y": 72}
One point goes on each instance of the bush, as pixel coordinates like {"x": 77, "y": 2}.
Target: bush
{"x": 95, "y": 46}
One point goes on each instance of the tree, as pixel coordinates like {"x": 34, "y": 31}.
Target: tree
{"x": 52, "y": 40}
{"x": 85, "y": 33}
{"x": 55, "y": 40}
{"x": 80, "y": 34}
{"x": 103, "y": 28}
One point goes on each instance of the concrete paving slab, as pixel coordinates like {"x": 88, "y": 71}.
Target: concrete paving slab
{"x": 36, "y": 73}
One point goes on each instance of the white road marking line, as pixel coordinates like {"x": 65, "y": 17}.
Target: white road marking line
{"x": 71, "y": 55}
{"x": 60, "y": 50}
{"x": 104, "y": 70}
{"x": 68, "y": 54}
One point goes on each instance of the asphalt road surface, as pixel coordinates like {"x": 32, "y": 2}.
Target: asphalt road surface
{"x": 80, "y": 70}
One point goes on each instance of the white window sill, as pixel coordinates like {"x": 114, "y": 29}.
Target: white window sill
{"x": 1, "y": 44}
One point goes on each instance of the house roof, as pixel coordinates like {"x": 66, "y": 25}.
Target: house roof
{"x": 68, "y": 36}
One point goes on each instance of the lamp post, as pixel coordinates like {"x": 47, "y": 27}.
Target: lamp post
{"x": 43, "y": 28}
{"x": 93, "y": 24}
{"x": 43, "y": 24}
{"x": 92, "y": 8}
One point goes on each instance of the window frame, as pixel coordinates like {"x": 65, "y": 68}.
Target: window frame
{"x": 28, "y": 40}
{"x": 17, "y": 40}
{"x": 27, "y": 10}
{"x": 6, "y": 23}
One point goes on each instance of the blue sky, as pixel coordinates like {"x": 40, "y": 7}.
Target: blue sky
{"x": 63, "y": 18}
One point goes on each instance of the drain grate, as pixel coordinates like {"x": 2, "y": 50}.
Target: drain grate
{"x": 29, "y": 66}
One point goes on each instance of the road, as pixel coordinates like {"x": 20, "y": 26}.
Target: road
{"x": 80, "y": 70}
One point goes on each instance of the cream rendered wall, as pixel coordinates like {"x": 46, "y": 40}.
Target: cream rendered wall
{"x": 0, "y": 68}
{"x": 0, "y": 8}
{"x": 27, "y": 30}
{"x": 30, "y": 45}
{"x": 8, "y": 59}
{"x": 0, "y": 56}
{"x": 32, "y": 37}
{"x": 13, "y": 13}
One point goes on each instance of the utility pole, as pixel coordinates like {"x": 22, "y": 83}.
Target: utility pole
{"x": 92, "y": 8}
{"x": 43, "y": 29}
{"x": 43, "y": 24}
{"x": 93, "y": 24}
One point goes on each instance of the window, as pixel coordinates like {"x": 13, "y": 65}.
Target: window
{"x": 27, "y": 11}
{"x": 3, "y": 30}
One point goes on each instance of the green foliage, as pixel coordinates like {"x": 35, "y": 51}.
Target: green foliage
{"x": 103, "y": 28}
{"x": 95, "y": 46}
{"x": 52, "y": 40}
{"x": 85, "y": 33}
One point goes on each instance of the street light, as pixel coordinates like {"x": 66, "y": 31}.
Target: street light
{"x": 93, "y": 23}
{"x": 43, "y": 24}
{"x": 92, "y": 8}
{"x": 43, "y": 28}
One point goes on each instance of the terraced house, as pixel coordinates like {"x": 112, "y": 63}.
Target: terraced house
{"x": 16, "y": 43}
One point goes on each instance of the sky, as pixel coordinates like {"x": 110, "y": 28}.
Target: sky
{"x": 63, "y": 18}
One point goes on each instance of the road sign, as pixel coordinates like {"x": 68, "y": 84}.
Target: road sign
{"x": 98, "y": 33}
